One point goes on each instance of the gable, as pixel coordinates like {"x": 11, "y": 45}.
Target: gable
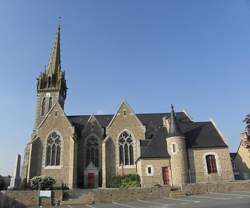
{"x": 92, "y": 126}
{"x": 56, "y": 119}
{"x": 125, "y": 114}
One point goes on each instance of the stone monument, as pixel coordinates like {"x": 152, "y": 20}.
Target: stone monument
{"x": 16, "y": 178}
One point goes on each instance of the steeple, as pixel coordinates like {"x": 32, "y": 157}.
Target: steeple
{"x": 54, "y": 65}
{"x": 51, "y": 83}
{"x": 52, "y": 78}
{"x": 174, "y": 129}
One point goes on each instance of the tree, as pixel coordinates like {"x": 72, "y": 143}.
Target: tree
{"x": 247, "y": 122}
{"x": 2, "y": 183}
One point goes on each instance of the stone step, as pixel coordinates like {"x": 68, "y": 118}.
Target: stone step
{"x": 177, "y": 194}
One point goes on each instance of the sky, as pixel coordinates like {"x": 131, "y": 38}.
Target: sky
{"x": 192, "y": 54}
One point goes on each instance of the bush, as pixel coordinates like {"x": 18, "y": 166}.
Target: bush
{"x": 42, "y": 183}
{"x": 126, "y": 181}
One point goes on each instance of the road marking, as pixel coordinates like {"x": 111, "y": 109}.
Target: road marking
{"x": 90, "y": 206}
{"x": 207, "y": 197}
{"x": 240, "y": 195}
{"x": 123, "y": 205}
{"x": 152, "y": 202}
{"x": 184, "y": 200}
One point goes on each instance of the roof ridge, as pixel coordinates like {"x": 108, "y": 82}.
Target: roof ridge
{"x": 113, "y": 114}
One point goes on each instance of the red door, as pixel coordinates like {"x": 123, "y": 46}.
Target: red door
{"x": 165, "y": 175}
{"x": 91, "y": 180}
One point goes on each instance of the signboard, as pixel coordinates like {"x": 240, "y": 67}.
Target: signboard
{"x": 45, "y": 194}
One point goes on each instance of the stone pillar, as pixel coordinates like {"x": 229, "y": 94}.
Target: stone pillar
{"x": 16, "y": 178}
{"x": 71, "y": 181}
{"x": 104, "y": 164}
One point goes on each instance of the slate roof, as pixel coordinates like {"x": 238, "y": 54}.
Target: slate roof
{"x": 156, "y": 147}
{"x": 197, "y": 134}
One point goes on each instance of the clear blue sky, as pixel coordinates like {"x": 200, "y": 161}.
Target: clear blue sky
{"x": 194, "y": 54}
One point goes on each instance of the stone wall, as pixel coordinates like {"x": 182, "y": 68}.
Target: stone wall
{"x": 242, "y": 160}
{"x": 198, "y": 168}
{"x": 66, "y": 172}
{"x": 149, "y": 180}
{"x": 217, "y": 187}
{"x": 109, "y": 195}
{"x": 124, "y": 120}
{"x": 27, "y": 198}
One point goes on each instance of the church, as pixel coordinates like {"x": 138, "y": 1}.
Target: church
{"x": 86, "y": 151}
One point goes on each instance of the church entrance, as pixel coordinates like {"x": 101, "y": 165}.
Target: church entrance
{"x": 91, "y": 180}
{"x": 91, "y": 176}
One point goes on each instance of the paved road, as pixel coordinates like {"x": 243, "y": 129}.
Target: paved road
{"x": 237, "y": 199}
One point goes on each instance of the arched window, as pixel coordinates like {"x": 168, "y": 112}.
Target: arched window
{"x": 43, "y": 107}
{"x": 211, "y": 164}
{"x": 53, "y": 151}
{"x": 92, "y": 151}
{"x": 126, "y": 152}
{"x": 50, "y": 103}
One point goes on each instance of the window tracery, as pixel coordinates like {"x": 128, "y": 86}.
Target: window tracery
{"x": 53, "y": 150}
{"x": 126, "y": 151}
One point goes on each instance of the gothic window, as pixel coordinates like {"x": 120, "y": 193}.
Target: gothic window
{"x": 92, "y": 151}
{"x": 43, "y": 107}
{"x": 126, "y": 153}
{"x": 211, "y": 164}
{"x": 50, "y": 103}
{"x": 53, "y": 151}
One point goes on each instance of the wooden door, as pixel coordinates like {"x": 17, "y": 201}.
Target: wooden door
{"x": 91, "y": 180}
{"x": 165, "y": 175}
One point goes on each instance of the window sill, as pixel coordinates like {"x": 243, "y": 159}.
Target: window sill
{"x": 127, "y": 166}
{"x": 53, "y": 167}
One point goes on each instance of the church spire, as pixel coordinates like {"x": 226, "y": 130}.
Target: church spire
{"x": 174, "y": 129}
{"x": 54, "y": 65}
{"x": 53, "y": 78}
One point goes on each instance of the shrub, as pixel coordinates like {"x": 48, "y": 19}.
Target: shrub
{"x": 42, "y": 182}
{"x": 126, "y": 181}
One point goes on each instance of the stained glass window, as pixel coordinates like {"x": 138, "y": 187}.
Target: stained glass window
{"x": 126, "y": 151}
{"x": 53, "y": 152}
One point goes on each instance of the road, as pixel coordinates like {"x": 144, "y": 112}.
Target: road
{"x": 239, "y": 199}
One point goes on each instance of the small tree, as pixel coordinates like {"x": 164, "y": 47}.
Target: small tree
{"x": 42, "y": 182}
{"x": 247, "y": 122}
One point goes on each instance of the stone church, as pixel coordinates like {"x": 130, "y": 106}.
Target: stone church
{"x": 86, "y": 151}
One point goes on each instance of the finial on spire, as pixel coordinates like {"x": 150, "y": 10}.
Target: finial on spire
{"x": 59, "y": 23}
{"x": 172, "y": 107}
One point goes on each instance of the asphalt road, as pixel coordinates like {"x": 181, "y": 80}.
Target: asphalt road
{"x": 237, "y": 199}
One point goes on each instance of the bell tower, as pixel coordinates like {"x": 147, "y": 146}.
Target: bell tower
{"x": 51, "y": 83}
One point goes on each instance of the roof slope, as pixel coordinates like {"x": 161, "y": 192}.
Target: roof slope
{"x": 197, "y": 134}
{"x": 156, "y": 147}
